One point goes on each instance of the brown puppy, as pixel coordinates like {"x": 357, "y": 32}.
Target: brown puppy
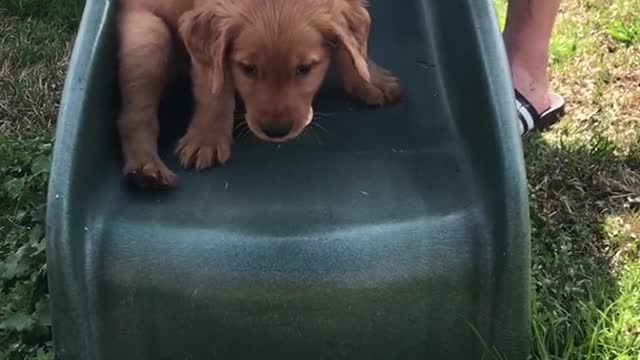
{"x": 273, "y": 53}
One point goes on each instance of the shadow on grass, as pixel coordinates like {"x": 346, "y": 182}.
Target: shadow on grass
{"x": 579, "y": 192}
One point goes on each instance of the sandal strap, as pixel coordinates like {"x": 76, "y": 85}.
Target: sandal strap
{"x": 527, "y": 114}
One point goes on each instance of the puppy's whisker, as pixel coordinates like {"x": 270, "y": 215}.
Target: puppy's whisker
{"x": 318, "y": 126}
{"x": 324, "y": 114}
{"x": 240, "y": 125}
{"x": 316, "y": 137}
{"x": 320, "y": 117}
{"x": 239, "y": 132}
{"x": 244, "y": 133}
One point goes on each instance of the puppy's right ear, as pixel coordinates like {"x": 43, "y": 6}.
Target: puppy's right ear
{"x": 206, "y": 36}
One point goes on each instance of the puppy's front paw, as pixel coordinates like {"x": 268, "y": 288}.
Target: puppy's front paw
{"x": 149, "y": 174}
{"x": 201, "y": 151}
{"x": 383, "y": 88}
{"x": 386, "y": 83}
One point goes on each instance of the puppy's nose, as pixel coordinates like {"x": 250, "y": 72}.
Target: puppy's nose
{"x": 277, "y": 130}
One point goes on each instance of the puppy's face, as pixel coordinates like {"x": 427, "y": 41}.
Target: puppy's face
{"x": 277, "y": 74}
{"x": 274, "y": 54}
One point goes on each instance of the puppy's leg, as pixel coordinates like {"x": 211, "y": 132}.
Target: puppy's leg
{"x": 209, "y": 136}
{"x": 383, "y": 87}
{"x": 145, "y": 45}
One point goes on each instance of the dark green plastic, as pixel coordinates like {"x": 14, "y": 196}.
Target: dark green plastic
{"x": 397, "y": 233}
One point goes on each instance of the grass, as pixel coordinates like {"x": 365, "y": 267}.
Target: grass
{"x": 585, "y": 189}
{"x": 34, "y": 48}
{"x": 584, "y": 179}
{"x": 24, "y": 312}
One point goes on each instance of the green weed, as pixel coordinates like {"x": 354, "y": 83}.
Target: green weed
{"x": 24, "y": 304}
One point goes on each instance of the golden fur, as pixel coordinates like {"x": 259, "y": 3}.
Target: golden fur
{"x": 273, "y": 53}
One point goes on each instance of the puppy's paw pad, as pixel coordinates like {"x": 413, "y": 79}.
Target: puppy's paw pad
{"x": 150, "y": 175}
{"x": 201, "y": 152}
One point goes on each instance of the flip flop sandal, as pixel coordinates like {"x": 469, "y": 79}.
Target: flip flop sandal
{"x": 531, "y": 120}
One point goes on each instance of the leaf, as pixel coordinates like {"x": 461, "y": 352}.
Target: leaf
{"x": 44, "y": 355}
{"x": 626, "y": 34}
{"x": 40, "y": 247}
{"x": 41, "y": 165}
{"x": 46, "y": 146}
{"x": 39, "y": 213}
{"x": 36, "y": 241}
{"x": 35, "y": 235}
{"x": 14, "y": 187}
{"x": 42, "y": 315}
{"x": 17, "y": 322}
{"x": 16, "y": 265}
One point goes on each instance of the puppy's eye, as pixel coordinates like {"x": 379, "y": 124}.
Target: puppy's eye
{"x": 249, "y": 70}
{"x": 303, "y": 70}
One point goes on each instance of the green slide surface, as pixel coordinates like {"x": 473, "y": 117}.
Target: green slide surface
{"x": 392, "y": 233}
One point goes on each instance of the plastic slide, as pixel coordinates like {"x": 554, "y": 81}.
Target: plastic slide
{"x": 383, "y": 233}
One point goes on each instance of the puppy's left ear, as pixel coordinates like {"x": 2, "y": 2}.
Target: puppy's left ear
{"x": 206, "y": 35}
{"x": 348, "y": 27}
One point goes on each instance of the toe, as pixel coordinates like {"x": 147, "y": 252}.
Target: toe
{"x": 204, "y": 158}
{"x": 223, "y": 153}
